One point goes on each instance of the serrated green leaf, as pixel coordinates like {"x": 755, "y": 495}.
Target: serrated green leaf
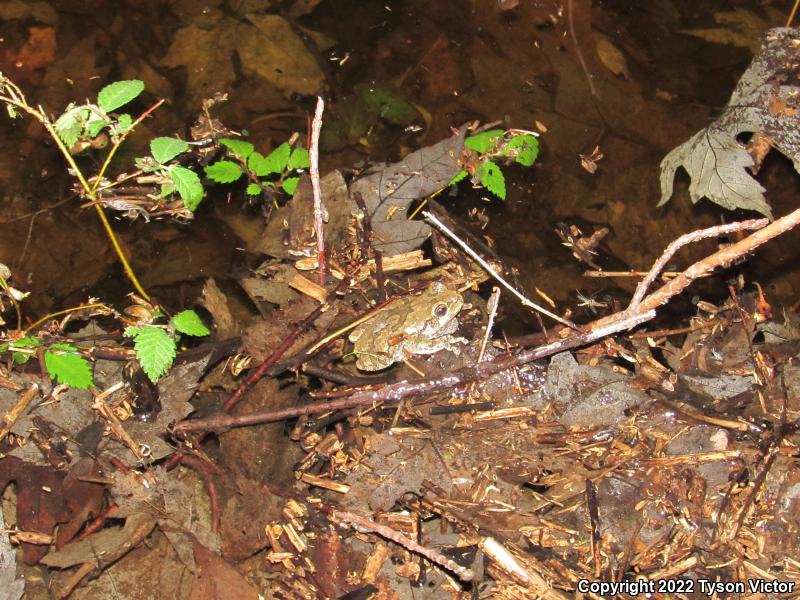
{"x": 119, "y": 93}
{"x": 25, "y": 343}
{"x": 253, "y": 189}
{"x": 69, "y": 126}
{"x": 132, "y": 331}
{"x": 188, "y": 185}
{"x": 223, "y": 171}
{"x": 491, "y": 177}
{"x": 239, "y": 148}
{"x": 483, "y": 142}
{"x": 164, "y": 149}
{"x": 155, "y": 350}
{"x": 298, "y": 159}
{"x": 124, "y": 122}
{"x": 65, "y": 365}
{"x": 189, "y": 322}
{"x": 275, "y": 162}
{"x": 523, "y": 148}
{"x": 458, "y": 177}
{"x": 290, "y": 185}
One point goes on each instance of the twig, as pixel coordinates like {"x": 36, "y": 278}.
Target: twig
{"x": 578, "y": 52}
{"x": 489, "y": 269}
{"x": 365, "y": 525}
{"x": 687, "y": 238}
{"x": 264, "y": 368}
{"x": 313, "y": 159}
{"x": 16, "y": 411}
{"x": 494, "y": 300}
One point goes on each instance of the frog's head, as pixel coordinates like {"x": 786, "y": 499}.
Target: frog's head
{"x": 444, "y": 305}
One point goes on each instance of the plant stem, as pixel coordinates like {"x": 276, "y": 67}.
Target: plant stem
{"x": 66, "y": 311}
{"x": 17, "y": 100}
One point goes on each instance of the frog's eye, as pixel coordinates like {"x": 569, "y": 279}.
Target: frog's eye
{"x": 440, "y": 310}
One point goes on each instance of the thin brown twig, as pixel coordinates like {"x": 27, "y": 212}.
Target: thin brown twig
{"x": 16, "y": 411}
{"x": 366, "y": 525}
{"x": 264, "y": 367}
{"x": 687, "y": 238}
{"x": 313, "y": 160}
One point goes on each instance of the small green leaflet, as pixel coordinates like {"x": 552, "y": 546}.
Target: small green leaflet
{"x": 523, "y": 148}
{"x": 459, "y": 176}
{"x": 491, "y": 177}
{"x": 275, "y": 162}
{"x": 65, "y": 365}
{"x": 290, "y": 185}
{"x": 95, "y": 123}
{"x": 188, "y": 185}
{"x": 69, "y": 126}
{"x": 253, "y": 189}
{"x": 483, "y": 142}
{"x": 164, "y": 149}
{"x": 189, "y": 323}
{"x": 298, "y": 159}
{"x": 238, "y": 147}
{"x": 155, "y": 349}
{"x": 118, "y": 94}
{"x": 124, "y": 122}
{"x": 223, "y": 171}
{"x": 26, "y": 343}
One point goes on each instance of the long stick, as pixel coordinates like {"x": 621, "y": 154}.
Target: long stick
{"x": 313, "y": 160}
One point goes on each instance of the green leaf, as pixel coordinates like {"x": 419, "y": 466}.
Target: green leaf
{"x": 298, "y": 159}
{"x": 275, "y": 162}
{"x": 189, "y": 323}
{"x": 253, "y": 189}
{"x": 65, "y": 365}
{"x": 458, "y": 177}
{"x": 188, "y": 185}
{"x": 523, "y": 148}
{"x": 290, "y": 185}
{"x": 124, "y": 122}
{"x": 132, "y": 331}
{"x": 164, "y": 149}
{"x": 25, "y": 343}
{"x": 69, "y": 126}
{"x": 238, "y": 147}
{"x": 118, "y": 94}
{"x": 387, "y": 103}
{"x": 483, "y": 142}
{"x": 491, "y": 177}
{"x": 95, "y": 123}
{"x": 155, "y": 349}
{"x": 223, "y": 171}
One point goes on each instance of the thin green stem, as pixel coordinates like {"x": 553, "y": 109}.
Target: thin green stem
{"x": 118, "y": 143}
{"x": 66, "y": 311}
{"x": 17, "y": 99}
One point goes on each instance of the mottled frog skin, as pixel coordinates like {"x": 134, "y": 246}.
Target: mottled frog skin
{"x": 419, "y": 324}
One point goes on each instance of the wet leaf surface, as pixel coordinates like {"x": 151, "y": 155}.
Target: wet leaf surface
{"x": 389, "y": 191}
